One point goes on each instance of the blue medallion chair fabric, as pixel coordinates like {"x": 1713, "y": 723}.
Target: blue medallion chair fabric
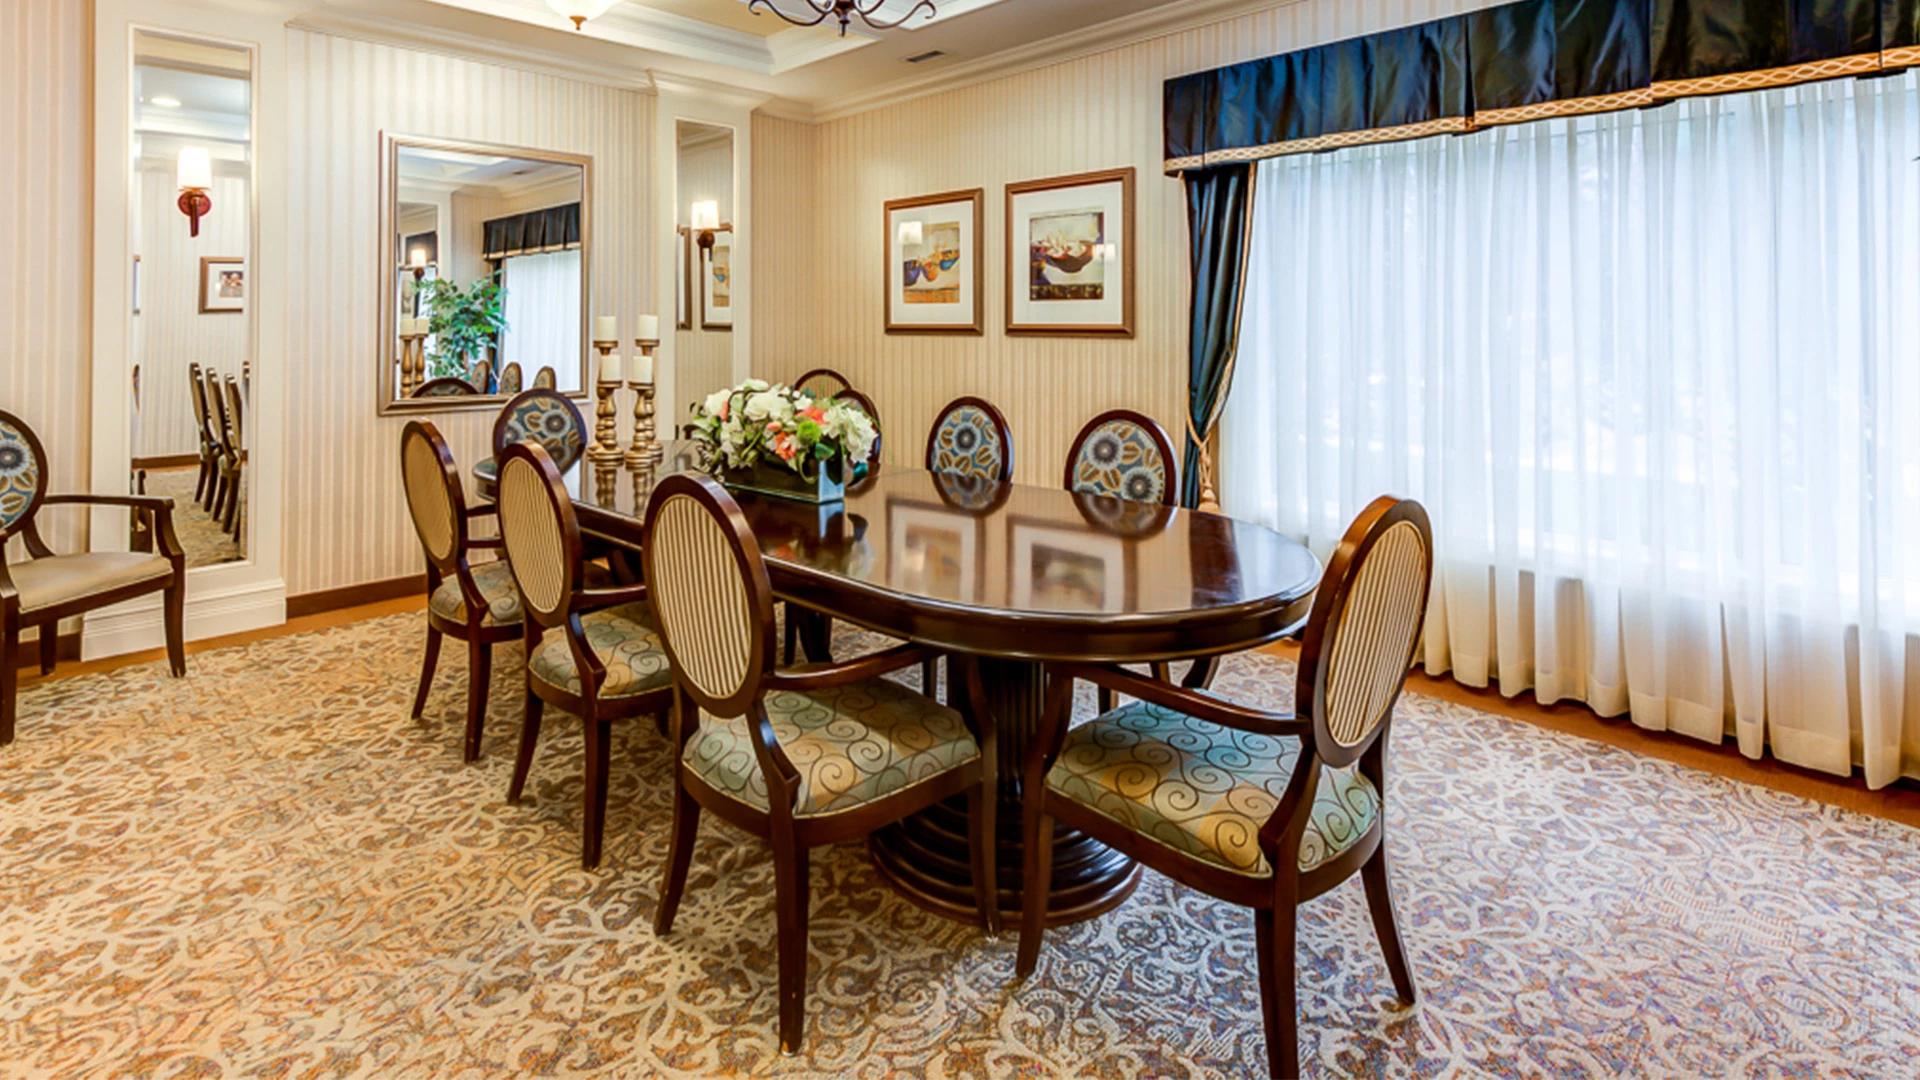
{"x": 547, "y": 417}
{"x": 971, "y": 438}
{"x": 592, "y": 651}
{"x": 1123, "y": 455}
{"x": 39, "y": 591}
{"x": 544, "y": 379}
{"x": 800, "y": 758}
{"x": 1257, "y": 808}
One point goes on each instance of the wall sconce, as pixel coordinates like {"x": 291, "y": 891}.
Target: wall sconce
{"x": 417, "y": 262}
{"x": 195, "y": 179}
{"x": 706, "y": 219}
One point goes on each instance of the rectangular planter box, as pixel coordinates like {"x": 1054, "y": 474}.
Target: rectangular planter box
{"x": 785, "y": 483}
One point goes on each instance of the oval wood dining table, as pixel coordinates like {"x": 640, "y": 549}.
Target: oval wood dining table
{"x": 1013, "y": 576}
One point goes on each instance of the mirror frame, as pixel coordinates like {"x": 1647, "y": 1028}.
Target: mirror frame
{"x": 386, "y": 355}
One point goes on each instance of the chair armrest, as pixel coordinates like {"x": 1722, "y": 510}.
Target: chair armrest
{"x": 869, "y": 666}
{"x": 1192, "y": 702}
{"x": 160, "y": 506}
{"x": 595, "y": 599}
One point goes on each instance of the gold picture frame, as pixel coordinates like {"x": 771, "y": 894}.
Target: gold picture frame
{"x": 1068, "y": 239}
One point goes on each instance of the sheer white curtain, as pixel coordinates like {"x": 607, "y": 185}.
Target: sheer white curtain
{"x": 543, "y": 315}
{"x": 1655, "y": 374}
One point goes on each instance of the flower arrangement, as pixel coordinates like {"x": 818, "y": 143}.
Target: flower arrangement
{"x": 761, "y": 423}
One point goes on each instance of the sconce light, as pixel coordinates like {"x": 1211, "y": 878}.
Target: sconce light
{"x": 580, "y": 10}
{"x": 417, "y": 262}
{"x": 195, "y": 179}
{"x": 706, "y": 219}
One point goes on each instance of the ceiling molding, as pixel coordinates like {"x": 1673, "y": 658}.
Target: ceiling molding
{"x": 717, "y": 93}
{"x": 383, "y": 30}
{"x": 1104, "y": 37}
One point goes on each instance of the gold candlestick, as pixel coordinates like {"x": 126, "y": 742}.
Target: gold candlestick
{"x": 606, "y": 436}
{"x": 646, "y": 451}
{"x": 413, "y": 362}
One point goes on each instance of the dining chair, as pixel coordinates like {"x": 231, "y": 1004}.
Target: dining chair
{"x": 604, "y": 660}
{"x": 800, "y": 758}
{"x": 223, "y": 436}
{"x": 445, "y": 386}
{"x": 209, "y": 446}
{"x": 823, "y": 383}
{"x": 510, "y": 378}
{"x": 544, "y": 379}
{"x": 45, "y": 588}
{"x": 1257, "y": 808}
{"x": 796, "y": 614}
{"x": 1123, "y": 454}
{"x": 548, "y": 417}
{"x": 969, "y": 438}
{"x": 474, "y": 603}
{"x": 481, "y": 376}
{"x": 234, "y": 463}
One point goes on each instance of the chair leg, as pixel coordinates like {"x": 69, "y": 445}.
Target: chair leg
{"x": 529, "y": 739}
{"x": 1373, "y": 874}
{"x": 1106, "y": 700}
{"x": 982, "y": 832}
{"x": 9, "y": 677}
{"x": 790, "y": 901}
{"x": 176, "y": 615}
{"x": 200, "y": 479}
{"x": 49, "y": 647}
{"x": 686, "y": 823}
{"x": 1036, "y": 883}
{"x": 929, "y": 678}
{"x": 233, "y": 502}
{"x": 599, "y": 735}
{"x": 479, "y": 677}
{"x": 1274, "y": 933}
{"x": 428, "y": 661}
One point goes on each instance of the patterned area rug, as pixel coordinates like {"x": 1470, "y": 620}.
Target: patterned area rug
{"x": 205, "y": 541}
{"x": 267, "y": 869}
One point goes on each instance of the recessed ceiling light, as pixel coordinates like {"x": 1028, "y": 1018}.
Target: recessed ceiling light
{"x": 166, "y": 102}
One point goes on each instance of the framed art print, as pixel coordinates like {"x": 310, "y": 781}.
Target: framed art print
{"x": 1070, "y": 255}
{"x": 716, "y": 282}
{"x": 683, "y": 283}
{"x": 223, "y": 285}
{"x": 934, "y": 263}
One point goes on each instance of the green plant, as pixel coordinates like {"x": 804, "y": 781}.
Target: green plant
{"x": 463, "y": 322}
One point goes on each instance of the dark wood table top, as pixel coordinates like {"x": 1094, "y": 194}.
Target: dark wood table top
{"x": 1003, "y": 570}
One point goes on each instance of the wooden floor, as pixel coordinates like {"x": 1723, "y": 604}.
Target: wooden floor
{"x": 1901, "y": 802}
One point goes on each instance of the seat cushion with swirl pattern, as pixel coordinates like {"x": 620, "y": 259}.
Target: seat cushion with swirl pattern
{"x": 627, "y": 641}
{"x": 1120, "y": 459}
{"x": 19, "y": 474}
{"x": 968, "y": 444}
{"x": 495, "y": 582}
{"x": 852, "y": 744}
{"x": 1205, "y": 790}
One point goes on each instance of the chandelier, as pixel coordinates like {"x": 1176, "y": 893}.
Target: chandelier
{"x": 842, "y": 10}
{"x": 580, "y": 10}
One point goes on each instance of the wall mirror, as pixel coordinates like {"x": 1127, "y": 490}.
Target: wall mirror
{"x": 191, "y": 350}
{"x": 704, "y": 206}
{"x": 485, "y": 255}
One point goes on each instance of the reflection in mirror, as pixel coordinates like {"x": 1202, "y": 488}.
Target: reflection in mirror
{"x": 487, "y": 265}
{"x": 192, "y": 341}
{"x": 703, "y": 347}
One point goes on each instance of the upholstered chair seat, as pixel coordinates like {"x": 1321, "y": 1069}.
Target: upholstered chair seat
{"x": 624, "y": 639}
{"x": 61, "y": 579}
{"x": 1203, "y": 789}
{"x": 852, "y": 744}
{"x": 495, "y": 581}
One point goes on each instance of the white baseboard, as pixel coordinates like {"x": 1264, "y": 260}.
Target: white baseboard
{"x": 139, "y": 624}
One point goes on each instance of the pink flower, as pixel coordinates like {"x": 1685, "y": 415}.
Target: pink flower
{"x": 723, "y": 409}
{"x": 815, "y": 414}
{"x": 773, "y": 426}
{"x": 784, "y": 447}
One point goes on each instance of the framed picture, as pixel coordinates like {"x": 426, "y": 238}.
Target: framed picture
{"x": 934, "y": 551}
{"x": 1070, "y": 255}
{"x": 223, "y": 285}
{"x": 683, "y": 283}
{"x": 934, "y": 262}
{"x": 716, "y": 282}
{"x": 1067, "y": 570}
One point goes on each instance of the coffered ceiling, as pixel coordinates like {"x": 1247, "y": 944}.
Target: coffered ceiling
{"x": 806, "y": 71}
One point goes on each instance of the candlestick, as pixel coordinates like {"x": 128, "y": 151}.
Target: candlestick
{"x": 646, "y": 451}
{"x": 412, "y": 355}
{"x": 606, "y": 437}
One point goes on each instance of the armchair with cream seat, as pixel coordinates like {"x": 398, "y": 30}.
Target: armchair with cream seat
{"x": 46, "y": 587}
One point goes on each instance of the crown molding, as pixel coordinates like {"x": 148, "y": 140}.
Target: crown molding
{"x": 1074, "y": 45}
{"x": 385, "y": 30}
{"x": 718, "y": 93}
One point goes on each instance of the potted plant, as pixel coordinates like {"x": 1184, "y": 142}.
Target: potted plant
{"x": 462, "y": 323}
{"x": 780, "y": 441}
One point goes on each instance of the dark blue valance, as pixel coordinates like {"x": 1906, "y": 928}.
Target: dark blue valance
{"x": 555, "y": 228}
{"x": 1522, "y": 61}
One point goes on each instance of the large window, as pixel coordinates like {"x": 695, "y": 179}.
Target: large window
{"x": 542, "y": 309}
{"x": 1656, "y": 375}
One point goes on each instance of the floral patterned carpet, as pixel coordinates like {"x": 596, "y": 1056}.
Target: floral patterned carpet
{"x": 205, "y": 541}
{"x": 267, "y": 869}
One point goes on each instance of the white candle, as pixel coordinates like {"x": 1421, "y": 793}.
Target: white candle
{"x": 610, "y": 370}
{"x": 606, "y": 329}
{"x": 642, "y": 369}
{"x": 407, "y": 327}
{"x": 649, "y": 328}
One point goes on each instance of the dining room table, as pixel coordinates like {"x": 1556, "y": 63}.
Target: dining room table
{"x": 1010, "y": 576}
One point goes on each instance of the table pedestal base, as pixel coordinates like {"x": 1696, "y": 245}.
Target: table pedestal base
{"x": 927, "y": 856}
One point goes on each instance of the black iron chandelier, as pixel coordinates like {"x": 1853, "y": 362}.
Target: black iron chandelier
{"x": 843, "y": 10}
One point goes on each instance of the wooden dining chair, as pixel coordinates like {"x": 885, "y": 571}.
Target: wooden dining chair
{"x": 969, "y": 438}
{"x": 802, "y": 758}
{"x": 510, "y": 378}
{"x": 1123, "y": 454}
{"x": 544, "y": 379}
{"x": 1257, "y": 808}
{"x": 234, "y": 462}
{"x": 45, "y": 588}
{"x": 474, "y": 603}
{"x": 445, "y": 386}
{"x": 482, "y": 377}
{"x": 591, "y": 651}
{"x": 209, "y": 446}
{"x": 223, "y": 434}
{"x": 549, "y": 418}
{"x": 822, "y": 383}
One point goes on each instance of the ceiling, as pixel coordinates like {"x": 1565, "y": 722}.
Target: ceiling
{"x": 812, "y": 70}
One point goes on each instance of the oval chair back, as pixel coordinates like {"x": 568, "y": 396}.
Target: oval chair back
{"x": 1123, "y": 454}
{"x": 236, "y": 416}
{"x": 510, "y": 378}
{"x": 971, "y": 438}
{"x": 549, "y": 418}
{"x": 544, "y": 379}
{"x": 434, "y": 497}
{"x": 445, "y": 386}
{"x": 1364, "y": 627}
{"x": 481, "y": 376}
{"x": 198, "y": 388}
{"x": 539, "y": 533}
{"x": 823, "y": 383}
{"x": 23, "y": 481}
{"x": 710, "y": 592}
{"x": 222, "y": 434}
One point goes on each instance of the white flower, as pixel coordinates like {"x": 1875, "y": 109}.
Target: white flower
{"x": 715, "y": 402}
{"x": 769, "y": 405}
{"x": 754, "y": 384}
